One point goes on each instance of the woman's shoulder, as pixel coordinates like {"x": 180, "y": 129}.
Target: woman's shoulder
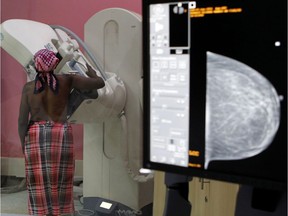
{"x": 64, "y": 77}
{"x": 29, "y": 84}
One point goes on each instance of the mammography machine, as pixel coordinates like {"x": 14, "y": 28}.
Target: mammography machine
{"x": 112, "y": 116}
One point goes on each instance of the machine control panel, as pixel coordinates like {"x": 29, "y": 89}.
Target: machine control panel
{"x": 169, "y": 83}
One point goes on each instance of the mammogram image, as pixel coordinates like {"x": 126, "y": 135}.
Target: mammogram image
{"x": 242, "y": 110}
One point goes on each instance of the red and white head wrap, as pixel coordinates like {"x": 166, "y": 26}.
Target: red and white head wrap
{"x": 45, "y": 62}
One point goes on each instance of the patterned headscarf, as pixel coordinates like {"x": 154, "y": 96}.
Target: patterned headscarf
{"x": 45, "y": 62}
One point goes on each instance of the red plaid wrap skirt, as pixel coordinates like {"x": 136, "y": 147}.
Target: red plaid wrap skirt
{"x": 49, "y": 166}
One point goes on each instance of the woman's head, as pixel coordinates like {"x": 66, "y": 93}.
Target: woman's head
{"x": 45, "y": 60}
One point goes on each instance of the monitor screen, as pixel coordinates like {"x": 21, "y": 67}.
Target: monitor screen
{"x": 215, "y": 89}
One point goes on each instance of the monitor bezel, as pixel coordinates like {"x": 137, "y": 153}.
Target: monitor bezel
{"x": 147, "y": 163}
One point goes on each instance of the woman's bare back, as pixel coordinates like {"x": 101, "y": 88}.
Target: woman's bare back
{"x": 47, "y": 105}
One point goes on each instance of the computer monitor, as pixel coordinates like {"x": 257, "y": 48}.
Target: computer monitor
{"x": 215, "y": 89}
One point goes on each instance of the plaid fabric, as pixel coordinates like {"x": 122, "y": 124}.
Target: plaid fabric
{"x": 42, "y": 78}
{"x": 49, "y": 164}
{"x": 45, "y": 62}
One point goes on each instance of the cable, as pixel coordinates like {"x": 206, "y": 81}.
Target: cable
{"x": 90, "y": 54}
{"x": 135, "y": 177}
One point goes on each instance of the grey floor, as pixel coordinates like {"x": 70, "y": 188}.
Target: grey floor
{"x": 15, "y": 203}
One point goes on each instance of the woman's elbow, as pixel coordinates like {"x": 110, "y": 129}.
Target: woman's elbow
{"x": 101, "y": 84}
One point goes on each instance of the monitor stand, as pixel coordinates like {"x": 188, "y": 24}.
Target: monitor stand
{"x": 176, "y": 202}
{"x": 260, "y": 202}
{"x": 264, "y": 199}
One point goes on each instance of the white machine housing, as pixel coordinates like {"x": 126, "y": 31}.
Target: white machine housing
{"x": 23, "y": 38}
{"x": 115, "y": 37}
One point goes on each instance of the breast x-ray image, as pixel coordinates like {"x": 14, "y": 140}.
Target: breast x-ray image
{"x": 242, "y": 110}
